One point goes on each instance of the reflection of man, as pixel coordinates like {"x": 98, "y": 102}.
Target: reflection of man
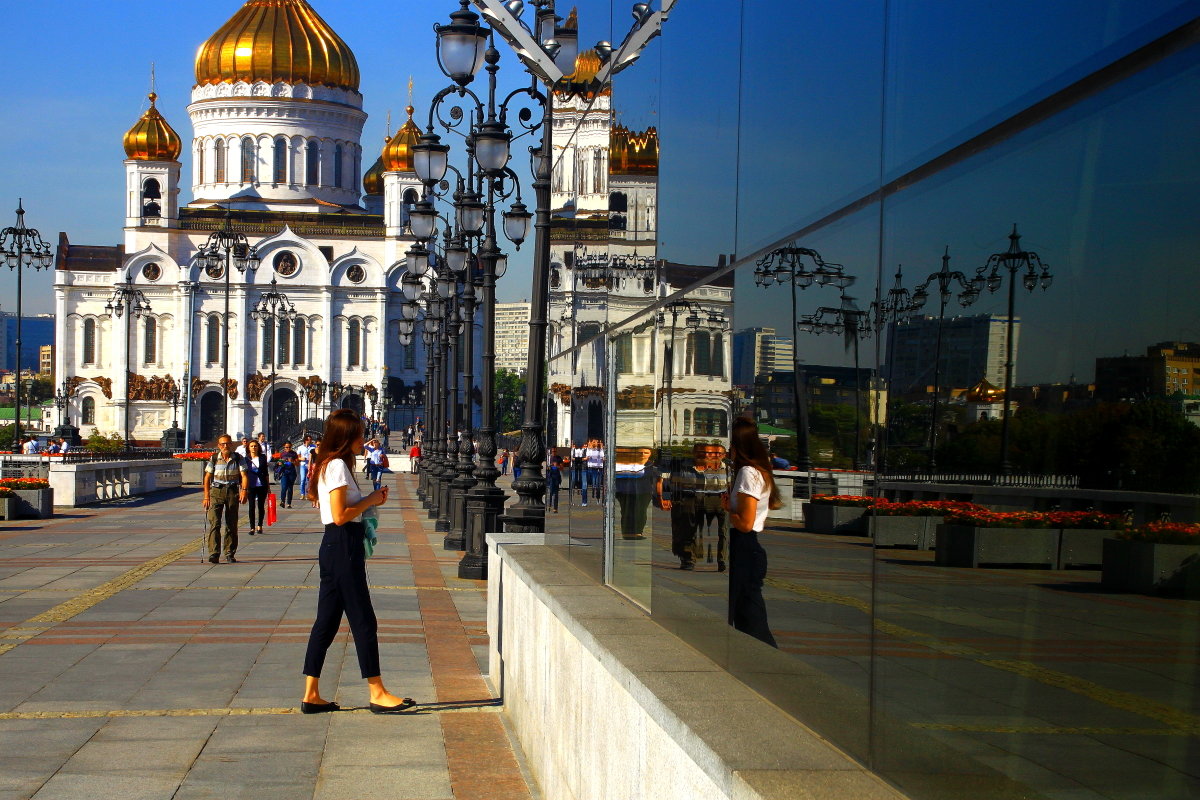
{"x": 713, "y": 482}
{"x": 683, "y": 507}
{"x": 635, "y": 482}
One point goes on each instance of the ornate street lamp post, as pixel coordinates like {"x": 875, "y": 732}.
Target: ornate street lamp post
{"x": 62, "y": 400}
{"x": 790, "y": 265}
{"x": 887, "y": 311}
{"x": 174, "y": 438}
{"x": 697, "y": 317}
{"x": 970, "y": 288}
{"x": 852, "y": 323}
{"x": 1035, "y": 274}
{"x": 126, "y": 296}
{"x": 22, "y": 247}
{"x": 272, "y": 305}
{"x": 225, "y": 251}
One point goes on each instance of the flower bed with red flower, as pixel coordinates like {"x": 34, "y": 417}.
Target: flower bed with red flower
{"x": 193, "y": 456}
{"x": 1036, "y": 519}
{"x": 1164, "y": 533}
{"x": 24, "y": 483}
{"x": 6, "y": 492}
{"x": 922, "y": 508}
{"x": 850, "y": 500}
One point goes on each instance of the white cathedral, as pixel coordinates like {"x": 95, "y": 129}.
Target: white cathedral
{"x": 277, "y": 119}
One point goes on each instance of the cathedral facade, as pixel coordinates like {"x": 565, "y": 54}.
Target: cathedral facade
{"x": 276, "y": 157}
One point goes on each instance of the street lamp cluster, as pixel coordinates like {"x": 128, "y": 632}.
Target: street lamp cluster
{"x": 440, "y": 287}
{"x": 22, "y": 247}
{"x": 697, "y": 318}
{"x": 791, "y": 264}
{"x": 272, "y": 306}
{"x": 127, "y": 297}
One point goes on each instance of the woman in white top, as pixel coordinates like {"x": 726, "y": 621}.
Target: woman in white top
{"x": 752, "y": 494}
{"x": 343, "y": 566}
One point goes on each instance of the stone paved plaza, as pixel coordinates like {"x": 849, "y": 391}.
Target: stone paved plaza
{"x": 131, "y": 669}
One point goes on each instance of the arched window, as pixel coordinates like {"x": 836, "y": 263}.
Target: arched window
{"x": 89, "y": 341}
{"x": 248, "y": 161}
{"x": 718, "y": 356}
{"x": 312, "y": 164}
{"x": 200, "y": 164}
{"x": 699, "y": 353}
{"x": 150, "y": 345}
{"x": 410, "y": 357}
{"x": 354, "y": 344}
{"x": 89, "y": 411}
{"x": 410, "y": 200}
{"x": 337, "y": 166}
{"x": 280, "y": 169}
{"x": 298, "y": 342}
{"x": 268, "y": 340}
{"x": 623, "y": 353}
{"x": 687, "y": 422}
{"x": 618, "y": 202}
{"x": 212, "y": 340}
{"x": 285, "y": 340}
{"x": 219, "y": 161}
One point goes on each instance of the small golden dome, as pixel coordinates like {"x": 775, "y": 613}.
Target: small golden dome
{"x": 273, "y": 41}
{"x": 632, "y": 153}
{"x": 373, "y": 180}
{"x": 582, "y": 82}
{"x": 151, "y": 138}
{"x": 398, "y": 151}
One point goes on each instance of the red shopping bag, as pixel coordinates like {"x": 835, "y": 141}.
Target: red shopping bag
{"x": 271, "y": 509}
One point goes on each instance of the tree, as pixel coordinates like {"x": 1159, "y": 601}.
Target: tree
{"x": 509, "y": 401}
{"x": 99, "y": 443}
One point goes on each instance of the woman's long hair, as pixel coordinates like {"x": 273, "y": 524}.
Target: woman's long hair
{"x": 342, "y": 430}
{"x": 747, "y": 450}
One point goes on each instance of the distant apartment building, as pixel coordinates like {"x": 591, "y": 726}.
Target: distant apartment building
{"x": 36, "y": 331}
{"x": 512, "y": 336}
{"x": 1168, "y": 368}
{"x": 46, "y": 360}
{"x": 973, "y": 350}
{"x": 827, "y": 386}
{"x": 758, "y": 352}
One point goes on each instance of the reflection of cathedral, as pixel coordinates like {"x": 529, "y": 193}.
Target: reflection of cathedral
{"x": 277, "y": 119}
{"x": 604, "y": 269}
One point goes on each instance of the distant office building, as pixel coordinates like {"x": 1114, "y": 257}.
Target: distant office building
{"x": 758, "y": 352}
{"x": 46, "y": 360}
{"x": 36, "y": 331}
{"x": 827, "y": 386}
{"x": 512, "y": 336}
{"x": 973, "y": 350}
{"x": 1166, "y": 369}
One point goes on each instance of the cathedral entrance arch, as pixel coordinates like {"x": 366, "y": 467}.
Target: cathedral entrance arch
{"x": 211, "y": 408}
{"x": 283, "y": 411}
{"x": 595, "y": 421}
{"x": 354, "y": 402}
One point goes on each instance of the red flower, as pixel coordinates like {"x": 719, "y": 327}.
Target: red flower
{"x": 842, "y": 500}
{"x": 1164, "y": 533}
{"x": 24, "y": 483}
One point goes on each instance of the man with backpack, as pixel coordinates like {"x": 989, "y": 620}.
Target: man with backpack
{"x": 225, "y": 486}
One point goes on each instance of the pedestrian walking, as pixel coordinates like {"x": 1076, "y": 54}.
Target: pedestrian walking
{"x": 376, "y": 462}
{"x": 554, "y": 479}
{"x": 579, "y": 470}
{"x": 258, "y": 483}
{"x": 504, "y": 457}
{"x": 343, "y": 568}
{"x": 304, "y": 453}
{"x": 286, "y": 472}
{"x": 595, "y": 469}
{"x": 752, "y": 494}
{"x": 225, "y": 485}
{"x": 414, "y": 457}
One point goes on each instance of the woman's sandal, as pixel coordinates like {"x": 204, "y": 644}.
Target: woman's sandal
{"x": 318, "y": 708}
{"x": 403, "y": 705}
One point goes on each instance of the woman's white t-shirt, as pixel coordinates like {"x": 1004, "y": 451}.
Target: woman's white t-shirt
{"x": 750, "y": 481}
{"x": 334, "y": 475}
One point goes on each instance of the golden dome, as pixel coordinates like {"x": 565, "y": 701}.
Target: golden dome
{"x": 398, "y": 151}
{"x": 273, "y": 41}
{"x": 373, "y": 180}
{"x": 582, "y": 81}
{"x": 632, "y": 153}
{"x": 151, "y": 138}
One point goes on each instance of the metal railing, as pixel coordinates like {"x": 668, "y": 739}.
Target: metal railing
{"x": 987, "y": 479}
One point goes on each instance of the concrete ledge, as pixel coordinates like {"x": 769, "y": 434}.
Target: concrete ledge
{"x": 608, "y": 704}
{"x": 91, "y": 482}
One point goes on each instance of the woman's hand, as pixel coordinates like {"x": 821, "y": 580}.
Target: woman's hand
{"x": 377, "y": 497}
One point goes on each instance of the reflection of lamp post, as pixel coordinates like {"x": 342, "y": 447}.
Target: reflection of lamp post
{"x": 852, "y": 323}
{"x": 887, "y": 311}
{"x": 970, "y": 293}
{"x": 1014, "y": 260}
{"x": 272, "y": 305}
{"x": 22, "y": 247}
{"x": 790, "y": 265}
{"x": 125, "y": 295}
{"x": 226, "y": 250}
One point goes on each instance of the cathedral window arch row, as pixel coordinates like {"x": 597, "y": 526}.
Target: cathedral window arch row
{"x": 90, "y": 338}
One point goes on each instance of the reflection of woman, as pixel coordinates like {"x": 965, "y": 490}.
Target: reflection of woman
{"x": 752, "y": 494}
{"x": 260, "y": 486}
{"x": 635, "y": 481}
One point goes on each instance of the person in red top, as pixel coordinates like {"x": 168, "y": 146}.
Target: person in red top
{"x": 414, "y": 457}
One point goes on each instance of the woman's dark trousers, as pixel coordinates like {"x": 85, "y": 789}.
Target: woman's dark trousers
{"x": 747, "y": 569}
{"x": 343, "y": 566}
{"x": 257, "y": 502}
{"x": 286, "y": 482}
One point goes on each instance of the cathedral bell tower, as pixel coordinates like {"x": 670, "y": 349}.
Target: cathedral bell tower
{"x": 152, "y": 168}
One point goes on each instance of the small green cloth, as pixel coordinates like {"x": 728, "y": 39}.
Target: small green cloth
{"x": 370, "y": 523}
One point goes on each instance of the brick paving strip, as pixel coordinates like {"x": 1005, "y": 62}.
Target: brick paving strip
{"x": 478, "y": 750}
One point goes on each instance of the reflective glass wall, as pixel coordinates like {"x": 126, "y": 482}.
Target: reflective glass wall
{"x": 936, "y": 272}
